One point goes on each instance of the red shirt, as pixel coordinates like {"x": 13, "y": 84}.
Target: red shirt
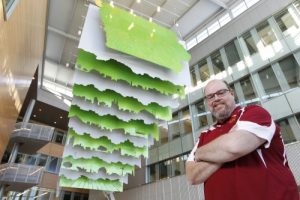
{"x": 261, "y": 175}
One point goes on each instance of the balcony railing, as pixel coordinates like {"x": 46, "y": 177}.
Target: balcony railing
{"x": 12, "y": 172}
{"x": 33, "y": 131}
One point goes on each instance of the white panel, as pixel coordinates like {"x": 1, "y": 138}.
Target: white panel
{"x": 163, "y": 152}
{"x": 167, "y": 189}
{"x": 153, "y": 155}
{"x": 145, "y": 97}
{"x": 116, "y": 136}
{"x": 187, "y": 143}
{"x": 113, "y": 110}
{"x": 93, "y": 34}
{"x": 278, "y": 107}
{"x": 293, "y": 99}
{"x": 175, "y": 147}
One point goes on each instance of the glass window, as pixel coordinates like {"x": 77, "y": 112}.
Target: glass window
{"x": 247, "y": 88}
{"x": 265, "y": 33}
{"x": 213, "y": 27}
{"x": 290, "y": 69}
{"x": 251, "y": 2}
{"x": 85, "y": 197}
{"x": 286, "y": 131}
{"x": 203, "y": 70}
{"x": 164, "y": 169}
{"x": 186, "y": 120}
{"x": 201, "y": 36}
{"x": 217, "y": 62}
{"x": 174, "y": 127}
{"x": 297, "y": 5}
{"x": 269, "y": 81}
{"x": 194, "y": 78}
{"x": 30, "y": 160}
{"x": 152, "y": 172}
{"x": 250, "y": 43}
{"x": 190, "y": 44}
{"x": 201, "y": 114}
{"x": 42, "y": 160}
{"x": 176, "y": 162}
{"x": 20, "y": 158}
{"x": 163, "y": 134}
{"x": 66, "y": 195}
{"x": 77, "y": 196}
{"x": 298, "y": 118}
{"x": 238, "y": 9}
{"x": 58, "y": 137}
{"x": 286, "y": 23}
{"x": 232, "y": 53}
{"x": 52, "y": 165}
{"x": 224, "y": 19}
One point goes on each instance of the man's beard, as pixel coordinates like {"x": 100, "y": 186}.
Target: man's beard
{"x": 222, "y": 115}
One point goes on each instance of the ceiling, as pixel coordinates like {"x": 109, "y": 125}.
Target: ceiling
{"x": 66, "y": 18}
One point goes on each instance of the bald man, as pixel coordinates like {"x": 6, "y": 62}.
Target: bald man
{"x": 241, "y": 156}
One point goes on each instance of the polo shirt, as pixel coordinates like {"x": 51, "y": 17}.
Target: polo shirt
{"x": 263, "y": 174}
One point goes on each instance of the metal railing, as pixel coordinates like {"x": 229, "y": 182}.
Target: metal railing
{"x": 31, "y": 130}
{"x": 12, "y": 172}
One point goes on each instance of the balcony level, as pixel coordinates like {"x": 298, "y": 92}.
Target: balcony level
{"x": 31, "y": 137}
{"x": 19, "y": 177}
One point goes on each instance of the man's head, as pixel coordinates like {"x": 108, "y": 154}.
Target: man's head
{"x": 220, "y": 99}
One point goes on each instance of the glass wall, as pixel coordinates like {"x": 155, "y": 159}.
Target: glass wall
{"x": 286, "y": 23}
{"x": 232, "y": 53}
{"x": 200, "y": 115}
{"x": 286, "y": 131}
{"x": 251, "y": 45}
{"x": 290, "y": 69}
{"x": 269, "y": 81}
{"x": 186, "y": 121}
{"x": 265, "y": 33}
{"x": 217, "y": 62}
{"x": 203, "y": 70}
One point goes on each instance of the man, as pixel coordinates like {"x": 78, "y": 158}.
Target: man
{"x": 242, "y": 156}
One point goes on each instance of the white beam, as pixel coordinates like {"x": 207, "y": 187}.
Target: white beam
{"x": 220, "y": 3}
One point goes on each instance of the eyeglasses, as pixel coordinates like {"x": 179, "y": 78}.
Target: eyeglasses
{"x": 219, "y": 93}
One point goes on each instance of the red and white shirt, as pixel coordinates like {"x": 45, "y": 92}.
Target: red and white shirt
{"x": 263, "y": 174}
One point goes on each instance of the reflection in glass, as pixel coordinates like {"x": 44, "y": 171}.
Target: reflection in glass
{"x": 269, "y": 81}
{"x": 217, "y": 62}
{"x": 176, "y": 162}
{"x": 265, "y": 33}
{"x": 152, "y": 172}
{"x": 247, "y": 88}
{"x": 52, "y": 166}
{"x": 250, "y": 43}
{"x": 290, "y": 69}
{"x": 164, "y": 168}
{"x": 201, "y": 114}
{"x": 163, "y": 134}
{"x": 203, "y": 70}
{"x": 67, "y": 195}
{"x": 232, "y": 53}
{"x": 42, "y": 160}
{"x": 186, "y": 120}
{"x": 174, "y": 127}
{"x": 286, "y": 131}
{"x": 193, "y": 75}
{"x": 286, "y": 23}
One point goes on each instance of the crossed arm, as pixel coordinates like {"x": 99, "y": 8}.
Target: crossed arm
{"x": 228, "y": 147}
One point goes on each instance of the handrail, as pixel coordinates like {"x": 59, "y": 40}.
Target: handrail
{"x": 13, "y": 172}
{"x": 31, "y": 130}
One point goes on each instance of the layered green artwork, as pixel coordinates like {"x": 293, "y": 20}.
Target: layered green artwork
{"x": 111, "y": 124}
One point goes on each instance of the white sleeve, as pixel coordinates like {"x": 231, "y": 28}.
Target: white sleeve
{"x": 192, "y": 154}
{"x": 264, "y": 132}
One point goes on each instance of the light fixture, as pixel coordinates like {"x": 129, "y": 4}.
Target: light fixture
{"x": 131, "y": 11}
{"x": 138, "y": 1}
{"x": 79, "y": 32}
{"x": 54, "y": 122}
{"x": 67, "y": 64}
{"x": 158, "y": 9}
{"x": 40, "y": 109}
{"x": 33, "y": 78}
{"x": 176, "y": 24}
{"x": 34, "y": 115}
{"x": 60, "y": 117}
{"x": 150, "y": 19}
{"x": 112, "y": 4}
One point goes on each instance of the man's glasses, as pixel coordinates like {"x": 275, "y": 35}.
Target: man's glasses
{"x": 219, "y": 93}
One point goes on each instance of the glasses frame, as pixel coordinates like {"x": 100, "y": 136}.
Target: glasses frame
{"x": 219, "y": 93}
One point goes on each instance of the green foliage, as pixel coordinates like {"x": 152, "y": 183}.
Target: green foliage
{"x": 86, "y": 183}
{"x": 117, "y": 71}
{"x": 109, "y": 122}
{"x": 93, "y": 165}
{"x": 138, "y": 37}
{"x": 106, "y": 145}
{"x": 108, "y": 97}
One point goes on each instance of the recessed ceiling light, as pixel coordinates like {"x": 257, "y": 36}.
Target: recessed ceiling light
{"x": 54, "y": 122}
{"x": 33, "y": 78}
{"x": 158, "y": 9}
{"x": 40, "y": 109}
{"x": 60, "y": 117}
{"x": 176, "y": 24}
{"x": 79, "y": 32}
{"x": 138, "y": 1}
{"x": 34, "y": 115}
{"x": 67, "y": 64}
{"x": 150, "y": 19}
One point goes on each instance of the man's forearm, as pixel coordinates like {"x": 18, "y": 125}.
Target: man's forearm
{"x": 198, "y": 172}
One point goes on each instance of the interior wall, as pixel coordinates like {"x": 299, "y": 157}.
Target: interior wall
{"x": 21, "y": 50}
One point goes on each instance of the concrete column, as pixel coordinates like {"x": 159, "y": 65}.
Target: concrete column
{"x": 29, "y": 111}
{"x": 14, "y": 153}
